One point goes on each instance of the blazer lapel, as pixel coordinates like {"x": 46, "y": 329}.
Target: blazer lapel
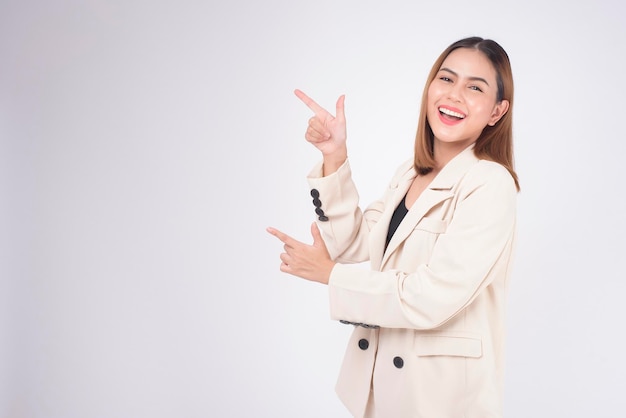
{"x": 427, "y": 200}
{"x": 378, "y": 235}
{"x": 440, "y": 189}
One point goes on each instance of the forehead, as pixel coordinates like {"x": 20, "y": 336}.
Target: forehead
{"x": 470, "y": 63}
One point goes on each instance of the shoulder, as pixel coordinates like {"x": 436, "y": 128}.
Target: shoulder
{"x": 404, "y": 170}
{"x": 489, "y": 173}
{"x": 491, "y": 168}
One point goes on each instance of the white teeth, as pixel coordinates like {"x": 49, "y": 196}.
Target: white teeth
{"x": 451, "y": 113}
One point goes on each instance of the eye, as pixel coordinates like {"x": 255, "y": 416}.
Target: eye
{"x": 446, "y": 79}
{"x": 476, "y": 88}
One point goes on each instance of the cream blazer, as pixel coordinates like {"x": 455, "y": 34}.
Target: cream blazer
{"x": 428, "y": 314}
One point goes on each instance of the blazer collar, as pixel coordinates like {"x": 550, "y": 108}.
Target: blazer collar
{"x": 440, "y": 189}
{"x": 456, "y": 168}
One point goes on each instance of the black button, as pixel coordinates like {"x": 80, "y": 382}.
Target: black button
{"x": 317, "y": 202}
{"x": 398, "y": 362}
{"x": 315, "y": 193}
{"x": 323, "y": 218}
{"x": 363, "y": 344}
{"x": 319, "y": 211}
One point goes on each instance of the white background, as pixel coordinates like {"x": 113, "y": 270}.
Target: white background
{"x": 145, "y": 146}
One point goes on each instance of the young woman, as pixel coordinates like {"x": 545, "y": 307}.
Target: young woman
{"x": 428, "y": 316}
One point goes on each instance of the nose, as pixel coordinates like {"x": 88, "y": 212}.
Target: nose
{"x": 455, "y": 93}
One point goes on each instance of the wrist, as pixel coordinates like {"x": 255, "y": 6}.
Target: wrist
{"x": 333, "y": 162}
{"x": 329, "y": 270}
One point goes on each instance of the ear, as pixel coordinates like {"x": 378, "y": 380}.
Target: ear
{"x": 498, "y": 111}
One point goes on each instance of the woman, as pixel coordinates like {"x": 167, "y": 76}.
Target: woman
{"x": 428, "y": 316}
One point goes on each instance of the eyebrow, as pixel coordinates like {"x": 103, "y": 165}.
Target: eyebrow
{"x": 471, "y": 78}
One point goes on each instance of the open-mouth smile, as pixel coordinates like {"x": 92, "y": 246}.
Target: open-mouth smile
{"x": 450, "y": 116}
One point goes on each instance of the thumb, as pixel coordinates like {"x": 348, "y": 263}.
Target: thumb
{"x": 317, "y": 236}
{"x": 339, "y": 107}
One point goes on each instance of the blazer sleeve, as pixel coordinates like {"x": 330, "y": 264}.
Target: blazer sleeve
{"x": 475, "y": 250}
{"x": 344, "y": 226}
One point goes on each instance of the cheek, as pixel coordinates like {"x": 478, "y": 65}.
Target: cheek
{"x": 482, "y": 106}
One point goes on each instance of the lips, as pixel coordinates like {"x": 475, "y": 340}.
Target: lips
{"x": 450, "y": 115}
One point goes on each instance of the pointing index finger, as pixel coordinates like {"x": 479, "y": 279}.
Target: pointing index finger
{"x": 286, "y": 239}
{"x": 311, "y": 104}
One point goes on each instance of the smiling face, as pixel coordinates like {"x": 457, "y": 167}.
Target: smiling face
{"x": 462, "y": 98}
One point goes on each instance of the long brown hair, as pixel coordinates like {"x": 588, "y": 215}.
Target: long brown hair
{"x": 495, "y": 143}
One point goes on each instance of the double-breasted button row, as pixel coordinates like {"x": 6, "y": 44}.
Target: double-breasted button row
{"x": 318, "y": 205}
{"x": 397, "y": 361}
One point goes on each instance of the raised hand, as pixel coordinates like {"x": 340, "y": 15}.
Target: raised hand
{"x": 311, "y": 262}
{"x": 327, "y": 132}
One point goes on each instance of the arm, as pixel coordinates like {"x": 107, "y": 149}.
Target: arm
{"x": 474, "y": 251}
{"x": 346, "y": 231}
{"x": 328, "y": 134}
{"x": 345, "y": 227}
